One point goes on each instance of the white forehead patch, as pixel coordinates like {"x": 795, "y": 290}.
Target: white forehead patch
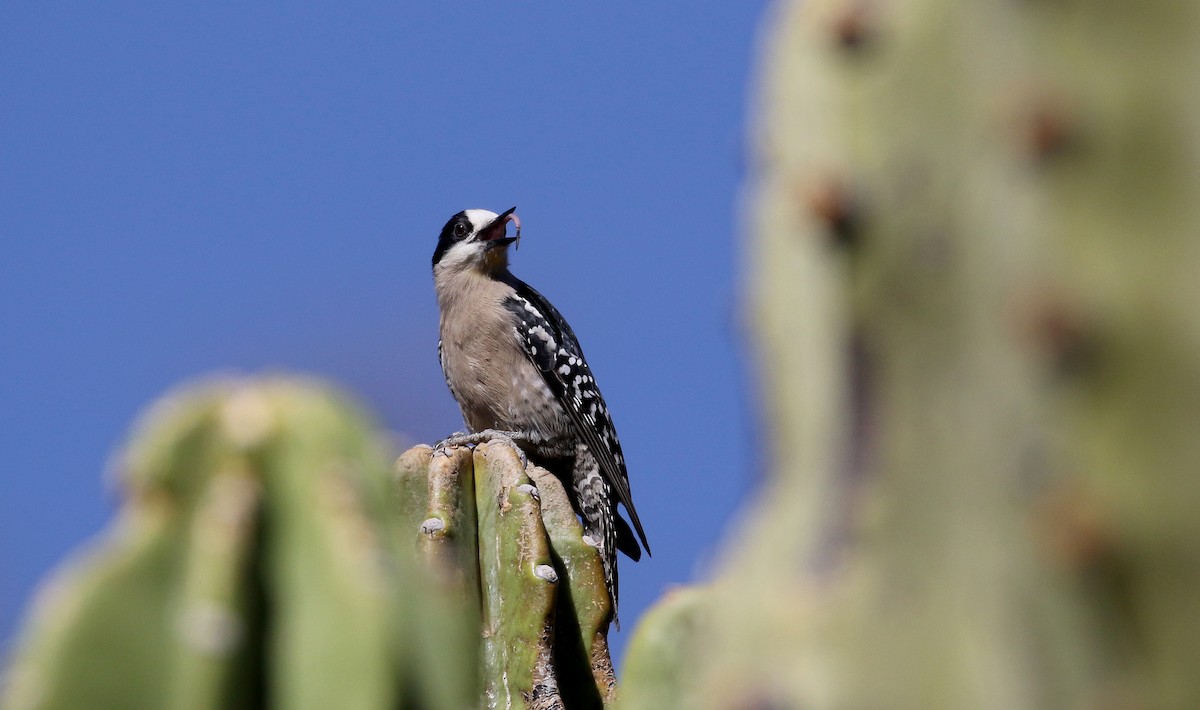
{"x": 480, "y": 218}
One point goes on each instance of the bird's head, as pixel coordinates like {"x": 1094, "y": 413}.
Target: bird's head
{"x": 476, "y": 240}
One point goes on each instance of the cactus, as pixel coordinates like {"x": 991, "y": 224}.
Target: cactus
{"x": 974, "y": 298}
{"x": 255, "y": 561}
{"x": 505, "y": 539}
{"x": 661, "y": 669}
{"x": 262, "y": 556}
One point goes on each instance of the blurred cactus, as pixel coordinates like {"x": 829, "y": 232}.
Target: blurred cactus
{"x": 974, "y": 294}
{"x": 661, "y": 669}
{"x": 256, "y": 561}
{"x": 507, "y": 541}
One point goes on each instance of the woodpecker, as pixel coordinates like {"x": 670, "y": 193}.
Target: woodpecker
{"x": 516, "y": 369}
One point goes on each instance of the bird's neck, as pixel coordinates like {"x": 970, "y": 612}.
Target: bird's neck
{"x": 458, "y": 289}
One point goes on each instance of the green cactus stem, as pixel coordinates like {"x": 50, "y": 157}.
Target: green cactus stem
{"x": 543, "y": 608}
{"x": 448, "y": 585}
{"x": 519, "y": 584}
{"x": 584, "y": 607}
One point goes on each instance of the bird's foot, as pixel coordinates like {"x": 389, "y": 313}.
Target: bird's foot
{"x": 442, "y": 448}
{"x": 472, "y": 440}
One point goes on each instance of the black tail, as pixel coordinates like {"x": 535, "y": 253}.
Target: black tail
{"x": 627, "y": 541}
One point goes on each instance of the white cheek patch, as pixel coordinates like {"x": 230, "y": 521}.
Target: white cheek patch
{"x": 461, "y": 255}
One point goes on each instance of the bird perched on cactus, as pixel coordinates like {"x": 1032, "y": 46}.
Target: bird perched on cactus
{"x": 519, "y": 375}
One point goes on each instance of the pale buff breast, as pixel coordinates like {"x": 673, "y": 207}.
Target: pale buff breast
{"x": 496, "y": 385}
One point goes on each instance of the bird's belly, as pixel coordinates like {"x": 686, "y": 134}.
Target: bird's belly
{"x": 508, "y": 396}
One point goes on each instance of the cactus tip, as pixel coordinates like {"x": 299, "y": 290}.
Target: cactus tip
{"x": 247, "y": 417}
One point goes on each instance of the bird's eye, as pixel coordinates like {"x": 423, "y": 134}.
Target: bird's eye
{"x": 460, "y": 230}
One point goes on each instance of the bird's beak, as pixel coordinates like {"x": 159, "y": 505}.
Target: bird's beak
{"x": 496, "y": 233}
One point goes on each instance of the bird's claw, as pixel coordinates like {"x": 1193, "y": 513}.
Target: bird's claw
{"x": 473, "y": 440}
{"x": 504, "y": 437}
{"x": 443, "y": 447}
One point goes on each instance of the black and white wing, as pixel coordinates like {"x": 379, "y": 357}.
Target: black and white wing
{"x": 553, "y": 348}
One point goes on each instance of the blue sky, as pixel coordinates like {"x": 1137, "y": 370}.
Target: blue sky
{"x": 189, "y": 189}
